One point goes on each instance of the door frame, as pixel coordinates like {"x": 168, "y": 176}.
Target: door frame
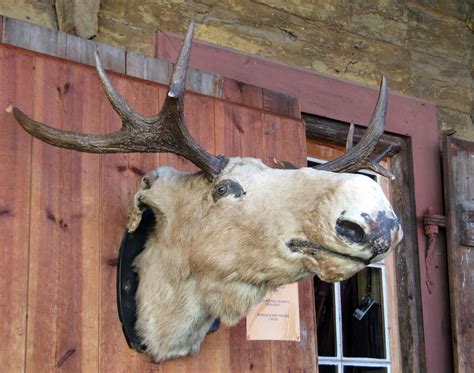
{"x": 412, "y": 119}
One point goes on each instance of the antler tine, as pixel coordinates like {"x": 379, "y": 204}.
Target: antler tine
{"x": 178, "y": 80}
{"x": 359, "y": 156}
{"x": 123, "y": 109}
{"x": 163, "y": 132}
{"x": 350, "y": 137}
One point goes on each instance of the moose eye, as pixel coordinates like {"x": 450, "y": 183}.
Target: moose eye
{"x": 227, "y": 187}
{"x": 222, "y": 190}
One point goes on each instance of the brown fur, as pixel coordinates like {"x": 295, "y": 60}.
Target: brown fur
{"x": 209, "y": 259}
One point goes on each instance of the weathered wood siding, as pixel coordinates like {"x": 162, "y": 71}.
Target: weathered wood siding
{"x": 62, "y": 217}
{"x": 458, "y": 157}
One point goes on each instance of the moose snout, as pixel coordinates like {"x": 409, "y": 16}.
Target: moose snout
{"x": 378, "y": 233}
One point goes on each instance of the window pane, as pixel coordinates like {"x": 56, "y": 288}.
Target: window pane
{"x": 327, "y": 369}
{"x": 324, "y": 295}
{"x": 364, "y": 370}
{"x": 362, "y": 315}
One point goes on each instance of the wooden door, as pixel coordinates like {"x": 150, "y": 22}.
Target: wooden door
{"x": 63, "y": 213}
{"x": 459, "y": 196}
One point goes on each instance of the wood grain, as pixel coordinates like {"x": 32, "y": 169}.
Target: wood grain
{"x": 79, "y": 266}
{"x": 280, "y": 103}
{"x": 34, "y": 37}
{"x": 290, "y": 144}
{"x": 46, "y": 234}
{"x": 149, "y": 68}
{"x": 15, "y": 176}
{"x": 458, "y": 161}
{"x": 243, "y": 93}
{"x": 118, "y": 184}
{"x": 78, "y": 210}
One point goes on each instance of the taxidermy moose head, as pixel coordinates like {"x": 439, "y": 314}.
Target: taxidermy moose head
{"x": 228, "y": 234}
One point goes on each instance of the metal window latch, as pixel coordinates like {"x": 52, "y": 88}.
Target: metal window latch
{"x": 366, "y": 302}
{"x": 465, "y": 223}
{"x": 364, "y": 307}
{"x": 431, "y": 223}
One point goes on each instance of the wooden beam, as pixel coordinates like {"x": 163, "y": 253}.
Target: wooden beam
{"x": 335, "y": 132}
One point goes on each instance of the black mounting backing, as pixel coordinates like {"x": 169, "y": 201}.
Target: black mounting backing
{"x": 127, "y": 280}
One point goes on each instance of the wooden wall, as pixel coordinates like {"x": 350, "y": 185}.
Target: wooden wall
{"x": 62, "y": 217}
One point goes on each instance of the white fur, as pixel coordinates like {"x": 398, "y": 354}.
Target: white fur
{"x": 210, "y": 259}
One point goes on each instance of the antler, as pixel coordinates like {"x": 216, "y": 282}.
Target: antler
{"x": 359, "y": 156}
{"x": 163, "y": 132}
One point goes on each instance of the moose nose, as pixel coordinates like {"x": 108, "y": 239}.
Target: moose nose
{"x": 350, "y": 231}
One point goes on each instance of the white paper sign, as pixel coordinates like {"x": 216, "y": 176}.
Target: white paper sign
{"x": 277, "y": 317}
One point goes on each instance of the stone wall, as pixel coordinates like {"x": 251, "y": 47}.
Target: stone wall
{"x": 425, "y": 47}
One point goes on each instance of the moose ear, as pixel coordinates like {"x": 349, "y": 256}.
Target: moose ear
{"x": 136, "y": 213}
{"x": 139, "y": 201}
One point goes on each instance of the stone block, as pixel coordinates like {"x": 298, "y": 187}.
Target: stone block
{"x": 461, "y": 123}
{"x": 32, "y": 12}
{"x": 445, "y": 82}
{"x": 128, "y": 37}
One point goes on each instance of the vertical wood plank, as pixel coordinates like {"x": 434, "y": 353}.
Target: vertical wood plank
{"x": 79, "y": 206}
{"x": 77, "y": 322}
{"x": 242, "y": 93}
{"x": 228, "y": 130}
{"x": 285, "y": 138}
{"x": 46, "y": 232}
{"x": 280, "y": 103}
{"x": 227, "y": 141}
{"x": 239, "y": 132}
{"x": 200, "y": 118}
{"x": 15, "y": 157}
{"x": 252, "y": 139}
{"x": 116, "y": 192}
{"x": 63, "y": 296}
{"x": 144, "y": 98}
{"x": 458, "y": 160}
{"x": 68, "y": 321}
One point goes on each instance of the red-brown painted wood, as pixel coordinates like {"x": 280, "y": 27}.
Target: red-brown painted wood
{"x": 46, "y": 234}
{"x": 245, "y": 94}
{"x": 297, "y": 356}
{"x": 119, "y": 179}
{"x": 78, "y": 213}
{"x": 78, "y": 220}
{"x": 15, "y": 178}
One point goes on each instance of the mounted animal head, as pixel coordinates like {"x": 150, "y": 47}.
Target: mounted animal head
{"x": 228, "y": 234}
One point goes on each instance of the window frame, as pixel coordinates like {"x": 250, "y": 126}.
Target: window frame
{"x": 339, "y": 360}
{"x": 406, "y": 274}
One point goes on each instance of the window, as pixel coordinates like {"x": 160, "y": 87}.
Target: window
{"x": 357, "y": 329}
